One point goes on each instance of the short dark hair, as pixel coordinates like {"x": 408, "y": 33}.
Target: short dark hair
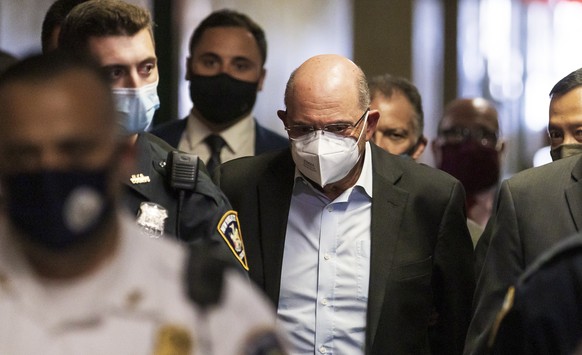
{"x": 100, "y": 18}
{"x": 230, "y": 18}
{"x": 54, "y": 17}
{"x": 567, "y": 83}
{"x": 388, "y": 84}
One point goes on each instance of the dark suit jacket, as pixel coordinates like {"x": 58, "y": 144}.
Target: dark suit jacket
{"x": 421, "y": 251}
{"x": 265, "y": 140}
{"x": 535, "y": 209}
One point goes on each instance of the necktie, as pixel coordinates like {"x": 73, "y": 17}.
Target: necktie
{"x": 215, "y": 142}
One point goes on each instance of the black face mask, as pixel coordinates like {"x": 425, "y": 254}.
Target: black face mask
{"x": 565, "y": 151}
{"x": 475, "y": 165}
{"x": 221, "y": 98}
{"x": 58, "y": 209}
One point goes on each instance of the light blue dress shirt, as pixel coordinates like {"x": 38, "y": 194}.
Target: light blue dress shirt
{"x": 326, "y": 267}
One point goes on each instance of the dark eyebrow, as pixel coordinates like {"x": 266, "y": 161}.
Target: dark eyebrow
{"x": 150, "y": 60}
{"x": 209, "y": 54}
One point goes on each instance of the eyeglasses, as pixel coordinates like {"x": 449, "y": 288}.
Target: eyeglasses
{"x": 343, "y": 128}
{"x": 458, "y": 135}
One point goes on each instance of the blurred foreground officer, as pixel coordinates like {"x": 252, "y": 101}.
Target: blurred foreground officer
{"x": 542, "y": 314}
{"x": 77, "y": 276}
{"x": 167, "y": 190}
{"x": 565, "y": 126}
{"x": 399, "y": 129}
{"x": 362, "y": 251}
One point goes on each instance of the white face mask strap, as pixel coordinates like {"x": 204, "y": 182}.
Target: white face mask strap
{"x": 145, "y": 88}
{"x": 363, "y": 126}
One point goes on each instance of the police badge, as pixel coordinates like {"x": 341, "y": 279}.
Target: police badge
{"x": 150, "y": 218}
{"x": 173, "y": 340}
{"x": 229, "y": 229}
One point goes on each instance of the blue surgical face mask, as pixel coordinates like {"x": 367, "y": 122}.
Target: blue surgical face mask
{"x": 136, "y": 107}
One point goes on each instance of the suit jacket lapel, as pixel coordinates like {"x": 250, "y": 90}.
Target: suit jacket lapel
{"x": 574, "y": 195}
{"x": 274, "y": 194}
{"x": 388, "y": 206}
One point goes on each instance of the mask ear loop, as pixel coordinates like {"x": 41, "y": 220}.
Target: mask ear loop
{"x": 363, "y": 126}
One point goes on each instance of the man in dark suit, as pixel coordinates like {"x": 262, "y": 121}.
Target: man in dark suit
{"x": 360, "y": 250}
{"x": 535, "y": 209}
{"x": 226, "y": 70}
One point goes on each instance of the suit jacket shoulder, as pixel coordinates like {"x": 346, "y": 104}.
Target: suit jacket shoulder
{"x": 171, "y": 132}
{"x": 535, "y": 209}
{"x": 267, "y": 140}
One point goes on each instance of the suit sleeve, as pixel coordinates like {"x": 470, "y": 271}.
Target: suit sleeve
{"x": 502, "y": 264}
{"x": 453, "y": 280}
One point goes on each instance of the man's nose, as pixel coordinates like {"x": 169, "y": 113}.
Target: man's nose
{"x": 133, "y": 80}
{"x": 51, "y": 160}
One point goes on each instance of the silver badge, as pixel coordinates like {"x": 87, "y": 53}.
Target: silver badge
{"x": 151, "y": 218}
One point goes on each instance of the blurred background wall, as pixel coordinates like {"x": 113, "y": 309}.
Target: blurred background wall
{"x": 509, "y": 51}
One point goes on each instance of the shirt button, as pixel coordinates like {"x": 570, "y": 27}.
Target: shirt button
{"x": 324, "y": 302}
{"x": 326, "y": 256}
{"x": 330, "y": 208}
{"x": 322, "y": 349}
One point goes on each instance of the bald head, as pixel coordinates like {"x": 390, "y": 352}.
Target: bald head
{"x": 467, "y": 145}
{"x": 469, "y": 113}
{"x": 329, "y": 93}
{"x": 328, "y": 78}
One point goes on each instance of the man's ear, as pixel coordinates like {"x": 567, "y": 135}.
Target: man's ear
{"x": 282, "y": 114}
{"x": 372, "y": 123}
{"x": 436, "y": 152}
{"x": 420, "y": 146}
{"x": 262, "y": 79}
{"x": 188, "y": 75}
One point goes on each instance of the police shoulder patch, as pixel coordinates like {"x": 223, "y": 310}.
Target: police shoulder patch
{"x": 229, "y": 229}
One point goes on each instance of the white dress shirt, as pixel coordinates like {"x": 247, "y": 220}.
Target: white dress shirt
{"x": 239, "y": 138}
{"x": 326, "y": 267}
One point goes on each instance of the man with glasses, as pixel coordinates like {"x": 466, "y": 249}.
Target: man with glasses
{"x": 361, "y": 251}
{"x": 468, "y": 147}
{"x": 399, "y": 129}
{"x": 565, "y": 126}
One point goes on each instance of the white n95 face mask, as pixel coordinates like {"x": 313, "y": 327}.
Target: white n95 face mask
{"x": 136, "y": 107}
{"x": 325, "y": 157}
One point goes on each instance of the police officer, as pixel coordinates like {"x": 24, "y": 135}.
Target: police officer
{"x": 167, "y": 190}
{"x": 542, "y": 313}
{"x": 76, "y": 277}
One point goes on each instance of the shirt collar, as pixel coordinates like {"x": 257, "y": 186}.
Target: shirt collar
{"x": 234, "y": 136}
